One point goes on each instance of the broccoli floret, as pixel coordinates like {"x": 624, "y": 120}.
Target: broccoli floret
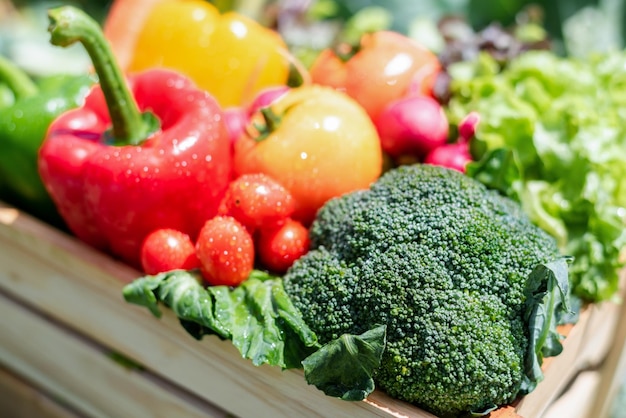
{"x": 444, "y": 263}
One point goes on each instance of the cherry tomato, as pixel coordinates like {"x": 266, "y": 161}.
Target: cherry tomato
{"x": 318, "y": 143}
{"x": 329, "y": 69}
{"x": 385, "y": 66}
{"x": 257, "y": 200}
{"x": 280, "y": 246}
{"x": 226, "y": 251}
{"x": 168, "y": 249}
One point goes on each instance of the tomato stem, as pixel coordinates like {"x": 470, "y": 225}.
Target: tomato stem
{"x": 345, "y": 51}
{"x": 271, "y": 122}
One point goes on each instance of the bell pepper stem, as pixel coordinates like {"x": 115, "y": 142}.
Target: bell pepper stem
{"x": 69, "y": 25}
{"x": 16, "y": 79}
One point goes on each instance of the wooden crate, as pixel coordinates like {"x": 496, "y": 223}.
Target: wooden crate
{"x": 64, "y": 320}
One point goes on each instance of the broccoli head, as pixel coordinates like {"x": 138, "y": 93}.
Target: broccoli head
{"x": 444, "y": 263}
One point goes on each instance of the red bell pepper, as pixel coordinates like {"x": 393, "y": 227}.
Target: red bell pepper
{"x": 127, "y": 163}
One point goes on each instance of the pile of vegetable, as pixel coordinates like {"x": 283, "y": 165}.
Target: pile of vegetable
{"x": 383, "y": 216}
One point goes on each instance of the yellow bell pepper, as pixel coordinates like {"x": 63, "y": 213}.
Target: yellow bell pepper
{"x": 229, "y": 55}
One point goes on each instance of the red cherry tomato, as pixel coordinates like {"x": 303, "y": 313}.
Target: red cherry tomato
{"x": 279, "y": 247}
{"x": 166, "y": 250}
{"x": 257, "y": 200}
{"x": 226, "y": 251}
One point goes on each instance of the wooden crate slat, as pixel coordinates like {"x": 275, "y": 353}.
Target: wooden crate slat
{"x": 612, "y": 369}
{"x": 19, "y": 399}
{"x": 578, "y": 401}
{"x": 81, "y": 374}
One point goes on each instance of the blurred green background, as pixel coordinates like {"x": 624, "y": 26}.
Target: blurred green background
{"x": 576, "y": 27}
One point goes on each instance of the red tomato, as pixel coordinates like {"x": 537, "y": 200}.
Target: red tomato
{"x": 257, "y": 200}
{"x": 279, "y": 247}
{"x": 166, "y": 250}
{"x": 386, "y": 66}
{"x": 319, "y": 144}
{"x": 226, "y": 251}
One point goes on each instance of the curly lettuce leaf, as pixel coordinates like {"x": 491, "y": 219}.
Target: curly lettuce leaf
{"x": 257, "y": 316}
{"x": 343, "y": 368}
{"x": 498, "y": 170}
{"x": 551, "y": 136}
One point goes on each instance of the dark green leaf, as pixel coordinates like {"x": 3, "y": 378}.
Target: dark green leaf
{"x": 256, "y": 316}
{"x": 141, "y": 292}
{"x": 184, "y": 293}
{"x": 548, "y": 294}
{"x": 498, "y": 170}
{"x": 343, "y": 368}
{"x": 196, "y": 330}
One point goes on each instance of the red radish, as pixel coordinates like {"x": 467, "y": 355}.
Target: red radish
{"x": 266, "y": 97}
{"x": 412, "y": 125}
{"x": 455, "y": 156}
{"x": 467, "y": 127}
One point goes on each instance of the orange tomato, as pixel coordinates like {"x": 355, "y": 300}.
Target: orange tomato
{"x": 386, "y": 66}
{"x": 322, "y": 145}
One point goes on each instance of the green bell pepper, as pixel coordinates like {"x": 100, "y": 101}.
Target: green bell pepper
{"x": 27, "y": 108}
